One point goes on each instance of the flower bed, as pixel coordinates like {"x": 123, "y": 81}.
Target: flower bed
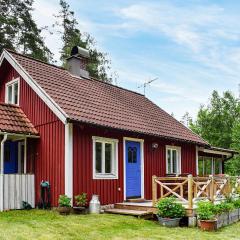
{"x": 224, "y": 213}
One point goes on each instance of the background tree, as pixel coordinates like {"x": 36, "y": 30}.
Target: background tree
{"x": 18, "y": 30}
{"x": 215, "y": 121}
{"x": 67, "y": 25}
{"x": 219, "y": 124}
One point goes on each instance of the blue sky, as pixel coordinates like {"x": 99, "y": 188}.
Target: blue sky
{"x": 193, "y": 47}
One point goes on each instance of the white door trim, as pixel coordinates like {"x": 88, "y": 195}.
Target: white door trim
{"x": 141, "y": 141}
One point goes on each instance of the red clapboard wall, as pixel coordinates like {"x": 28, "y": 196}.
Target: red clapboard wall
{"x": 46, "y": 160}
{"x": 111, "y": 191}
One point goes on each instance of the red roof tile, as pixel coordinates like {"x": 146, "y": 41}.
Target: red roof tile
{"x": 92, "y": 101}
{"x": 13, "y": 120}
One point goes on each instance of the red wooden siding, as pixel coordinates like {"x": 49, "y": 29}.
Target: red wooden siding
{"x": 49, "y": 149}
{"x": 154, "y": 163}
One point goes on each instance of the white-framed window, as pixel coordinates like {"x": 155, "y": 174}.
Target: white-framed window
{"x": 209, "y": 166}
{"x": 105, "y": 158}
{"x": 173, "y": 160}
{"x": 12, "y": 92}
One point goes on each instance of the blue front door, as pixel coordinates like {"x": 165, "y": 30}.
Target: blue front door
{"x": 10, "y": 157}
{"x": 133, "y": 169}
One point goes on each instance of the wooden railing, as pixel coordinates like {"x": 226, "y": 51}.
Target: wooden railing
{"x": 191, "y": 189}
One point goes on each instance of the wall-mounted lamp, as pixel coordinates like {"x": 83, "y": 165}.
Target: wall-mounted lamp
{"x": 154, "y": 145}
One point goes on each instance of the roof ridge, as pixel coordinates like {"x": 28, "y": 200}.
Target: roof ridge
{"x": 61, "y": 68}
{"x": 110, "y": 84}
{"x": 32, "y": 58}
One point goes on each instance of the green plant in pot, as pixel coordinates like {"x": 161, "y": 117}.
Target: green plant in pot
{"x": 64, "y": 203}
{"x": 81, "y": 202}
{"x": 169, "y": 212}
{"x": 206, "y": 214}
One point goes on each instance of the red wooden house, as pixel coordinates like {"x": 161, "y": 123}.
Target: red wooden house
{"x": 84, "y": 135}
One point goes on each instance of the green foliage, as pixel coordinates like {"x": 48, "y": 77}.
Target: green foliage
{"x": 224, "y": 207}
{"x": 81, "y": 199}
{"x": 206, "y": 210}
{"x": 169, "y": 208}
{"x": 64, "y": 201}
{"x": 99, "y": 64}
{"x": 18, "y": 30}
{"x": 219, "y": 124}
{"x": 215, "y": 121}
{"x": 236, "y": 203}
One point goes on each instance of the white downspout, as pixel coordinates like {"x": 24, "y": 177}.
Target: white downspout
{"x": 2, "y": 171}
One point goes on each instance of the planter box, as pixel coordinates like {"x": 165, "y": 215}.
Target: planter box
{"x": 222, "y": 220}
{"x": 169, "y": 222}
{"x": 233, "y": 216}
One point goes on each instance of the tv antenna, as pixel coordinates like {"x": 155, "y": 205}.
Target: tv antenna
{"x": 146, "y": 84}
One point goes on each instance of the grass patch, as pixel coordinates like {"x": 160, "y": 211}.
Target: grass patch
{"x": 37, "y": 224}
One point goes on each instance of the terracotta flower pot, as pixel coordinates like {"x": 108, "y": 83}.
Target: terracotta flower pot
{"x": 208, "y": 225}
{"x": 64, "y": 210}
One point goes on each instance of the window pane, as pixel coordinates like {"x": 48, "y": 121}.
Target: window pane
{"x": 208, "y": 166}
{"x": 16, "y": 93}
{"x": 132, "y": 155}
{"x": 169, "y": 160}
{"x": 218, "y": 166}
{"x": 10, "y": 94}
{"x": 200, "y": 166}
{"x": 98, "y": 157}
{"x": 174, "y": 161}
{"x": 108, "y": 158}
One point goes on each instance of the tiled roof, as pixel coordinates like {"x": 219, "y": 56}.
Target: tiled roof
{"x": 92, "y": 101}
{"x": 13, "y": 120}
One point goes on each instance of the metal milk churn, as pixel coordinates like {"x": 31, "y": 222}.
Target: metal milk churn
{"x": 94, "y": 205}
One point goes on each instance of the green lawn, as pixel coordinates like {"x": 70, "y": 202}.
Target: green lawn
{"x": 36, "y": 224}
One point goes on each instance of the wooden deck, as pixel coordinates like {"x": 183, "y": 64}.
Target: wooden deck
{"x": 190, "y": 190}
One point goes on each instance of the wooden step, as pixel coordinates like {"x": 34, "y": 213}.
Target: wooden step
{"x": 136, "y": 207}
{"x": 136, "y": 200}
{"x": 136, "y": 213}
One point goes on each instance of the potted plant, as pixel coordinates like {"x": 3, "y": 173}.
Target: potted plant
{"x": 206, "y": 215}
{"x": 64, "y": 203}
{"x": 81, "y": 202}
{"x": 169, "y": 212}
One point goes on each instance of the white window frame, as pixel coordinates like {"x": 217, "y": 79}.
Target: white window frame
{"x": 114, "y": 142}
{"x": 179, "y": 164}
{"x": 12, "y": 83}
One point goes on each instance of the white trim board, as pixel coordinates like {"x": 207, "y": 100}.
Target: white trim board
{"x": 141, "y": 141}
{"x": 69, "y": 160}
{"x": 35, "y": 86}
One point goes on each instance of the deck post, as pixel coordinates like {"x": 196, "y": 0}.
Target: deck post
{"x": 211, "y": 188}
{"x": 154, "y": 191}
{"x": 190, "y": 191}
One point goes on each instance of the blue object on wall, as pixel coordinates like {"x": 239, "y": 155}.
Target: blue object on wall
{"x": 10, "y": 157}
{"x": 133, "y": 169}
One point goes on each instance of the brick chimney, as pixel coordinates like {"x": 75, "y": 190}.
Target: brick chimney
{"x": 77, "y": 62}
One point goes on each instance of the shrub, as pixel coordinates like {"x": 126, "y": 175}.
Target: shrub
{"x": 224, "y": 207}
{"x": 64, "y": 201}
{"x": 236, "y": 203}
{"x": 206, "y": 211}
{"x": 169, "y": 208}
{"x": 81, "y": 200}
